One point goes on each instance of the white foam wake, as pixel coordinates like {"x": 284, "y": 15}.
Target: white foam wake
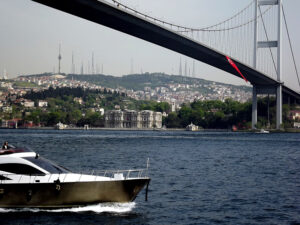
{"x": 99, "y": 208}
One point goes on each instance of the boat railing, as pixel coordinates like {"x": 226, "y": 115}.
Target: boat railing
{"x": 117, "y": 174}
{"x": 20, "y": 178}
{"x": 126, "y": 174}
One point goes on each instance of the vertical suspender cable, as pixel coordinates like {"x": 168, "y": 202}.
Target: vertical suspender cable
{"x": 262, "y": 19}
{"x": 248, "y": 39}
{"x": 245, "y": 37}
{"x": 292, "y": 51}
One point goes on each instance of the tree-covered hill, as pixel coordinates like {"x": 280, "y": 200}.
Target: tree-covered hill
{"x": 139, "y": 81}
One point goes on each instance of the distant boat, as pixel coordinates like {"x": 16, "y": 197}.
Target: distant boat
{"x": 60, "y": 126}
{"x": 262, "y": 131}
{"x": 192, "y": 127}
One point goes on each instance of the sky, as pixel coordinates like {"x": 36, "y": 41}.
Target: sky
{"x": 31, "y": 33}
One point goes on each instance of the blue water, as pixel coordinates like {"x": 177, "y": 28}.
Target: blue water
{"x": 197, "y": 177}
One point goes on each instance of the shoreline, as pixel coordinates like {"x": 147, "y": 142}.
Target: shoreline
{"x": 287, "y": 130}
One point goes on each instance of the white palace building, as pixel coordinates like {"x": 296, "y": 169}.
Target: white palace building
{"x": 133, "y": 119}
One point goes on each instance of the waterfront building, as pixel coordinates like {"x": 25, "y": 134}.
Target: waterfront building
{"x": 146, "y": 118}
{"x": 13, "y": 123}
{"x": 296, "y": 125}
{"x": 150, "y": 119}
{"x": 157, "y": 120}
{"x": 113, "y": 119}
{"x": 133, "y": 119}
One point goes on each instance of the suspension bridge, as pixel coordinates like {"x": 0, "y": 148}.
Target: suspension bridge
{"x": 248, "y": 44}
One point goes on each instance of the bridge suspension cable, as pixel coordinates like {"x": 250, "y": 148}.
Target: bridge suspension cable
{"x": 224, "y": 22}
{"x": 192, "y": 29}
{"x": 234, "y": 36}
{"x": 290, "y": 44}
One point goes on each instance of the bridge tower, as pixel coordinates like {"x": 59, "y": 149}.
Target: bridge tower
{"x": 268, "y": 44}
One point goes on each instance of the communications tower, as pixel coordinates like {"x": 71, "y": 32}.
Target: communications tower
{"x": 59, "y": 59}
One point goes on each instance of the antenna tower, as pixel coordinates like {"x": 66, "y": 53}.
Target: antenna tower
{"x": 59, "y": 59}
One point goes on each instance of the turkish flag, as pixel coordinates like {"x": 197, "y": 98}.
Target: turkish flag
{"x": 235, "y": 67}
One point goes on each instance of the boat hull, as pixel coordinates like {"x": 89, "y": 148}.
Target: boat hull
{"x": 60, "y": 195}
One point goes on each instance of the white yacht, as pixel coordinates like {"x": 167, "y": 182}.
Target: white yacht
{"x": 28, "y": 180}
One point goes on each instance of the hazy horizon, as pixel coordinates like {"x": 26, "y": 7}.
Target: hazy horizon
{"x": 31, "y": 34}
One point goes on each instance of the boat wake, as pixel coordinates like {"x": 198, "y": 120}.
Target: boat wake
{"x": 118, "y": 208}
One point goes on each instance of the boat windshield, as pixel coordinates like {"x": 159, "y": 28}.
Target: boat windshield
{"x": 25, "y": 149}
{"x": 47, "y": 165}
{"x": 16, "y": 149}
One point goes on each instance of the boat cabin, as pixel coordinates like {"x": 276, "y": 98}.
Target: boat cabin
{"x": 23, "y": 161}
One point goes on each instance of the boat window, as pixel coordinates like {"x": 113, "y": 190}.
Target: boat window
{"x": 47, "y": 165}
{"x": 20, "y": 169}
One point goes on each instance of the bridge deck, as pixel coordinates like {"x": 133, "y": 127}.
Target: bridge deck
{"x": 111, "y": 16}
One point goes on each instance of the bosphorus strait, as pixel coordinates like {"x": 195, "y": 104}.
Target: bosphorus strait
{"x": 196, "y": 177}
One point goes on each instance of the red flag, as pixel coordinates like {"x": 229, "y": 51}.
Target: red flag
{"x": 235, "y": 67}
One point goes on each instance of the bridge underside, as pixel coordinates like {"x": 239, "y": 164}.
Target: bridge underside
{"x": 111, "y": 16}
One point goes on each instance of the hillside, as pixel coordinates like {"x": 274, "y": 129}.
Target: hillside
{"x": 138, "y": 82}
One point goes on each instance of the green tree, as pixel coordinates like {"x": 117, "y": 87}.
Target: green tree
{"x": 73, "y": 117}
{"x": 185, "y": 115}
{"x": 162, "y": 107}
{"x": 54, "y": 118}
{"x": 172, "y": 121}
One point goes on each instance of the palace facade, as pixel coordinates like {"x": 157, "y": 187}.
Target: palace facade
{"x": 133, "y": 119}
